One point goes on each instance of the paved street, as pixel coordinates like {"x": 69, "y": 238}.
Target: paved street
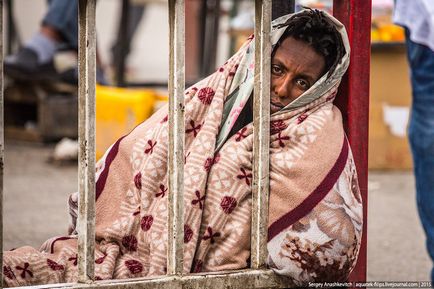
{"x": 396, "y": 242}
{"x": 35, "y": 197}
{"x": 35, "y": 209}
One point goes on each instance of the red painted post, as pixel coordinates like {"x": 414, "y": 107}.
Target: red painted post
{"x": 353, "y": 100}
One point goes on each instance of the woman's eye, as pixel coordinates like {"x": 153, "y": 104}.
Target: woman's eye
{"x": 275, "y": 69}
{"x": 303, "y": 84}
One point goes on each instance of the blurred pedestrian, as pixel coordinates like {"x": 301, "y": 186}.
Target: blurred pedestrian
{"x": 417, "y": 17}
{"x": 59, "y": 32}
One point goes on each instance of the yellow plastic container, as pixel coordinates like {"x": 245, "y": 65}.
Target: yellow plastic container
{"x": 161, "y": 99}
{"x": 118, "y": 111}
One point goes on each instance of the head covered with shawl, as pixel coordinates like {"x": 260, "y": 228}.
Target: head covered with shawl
{"x": 315, "y": 214}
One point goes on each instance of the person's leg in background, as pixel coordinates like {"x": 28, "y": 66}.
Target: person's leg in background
{"x": 58, "y": 28}
{"x": 66, "y": 23}
{"x": 135, "y": 15}
{"x": 58, "y": 31}
{"x": 421, "y": 135}
{"x": 62, "y": 18}
{"x": 131, "y": 15}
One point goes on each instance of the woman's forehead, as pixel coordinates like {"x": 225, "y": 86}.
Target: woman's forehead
{"x": 297, "y": 52}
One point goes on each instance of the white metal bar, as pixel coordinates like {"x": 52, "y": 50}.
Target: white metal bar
{"x": 241, "y": 279}
{"x": 176, "y": 137}
{"x": 261, "y": 132}
{"x": 86, "y": 125}
{"x": 2, "y": 142}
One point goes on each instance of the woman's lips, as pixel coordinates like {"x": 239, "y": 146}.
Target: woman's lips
{"x": 275, "y": 106}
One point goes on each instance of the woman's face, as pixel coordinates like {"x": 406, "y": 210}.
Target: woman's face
{"x": 295, "y": 67}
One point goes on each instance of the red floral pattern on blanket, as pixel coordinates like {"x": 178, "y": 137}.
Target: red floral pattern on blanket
{"x": 100, "y": 259}
{"x": 134, "y": 266}
{"x": 130, "y": 242}
{"x": 198, "y": 200}
{"x": 228, "y": 204}
{"x": 54, "y": 266}
{"x": 277, "y": 126}
{"x": 193, "y": 128}
{"x": 74, "y": 260}
{"x": 146, "y": 222}
{"x": 206, "y": 95}
{"x": 244, "y": 175}
{"x": 211, "y": 161}
{"x": 241, "y": 134}
{"x": 138, "y": 180}
{"x": 301, "y": 118}
{"x": 162, "y": 191}
{"x": 281, "y": 139}
{"x": 211, "y": 236}
{"x": 188, "y": 234}
{"x": 150, "y": 148}
{"x": 7, "y": 271}
{"x": 25, "y": 272}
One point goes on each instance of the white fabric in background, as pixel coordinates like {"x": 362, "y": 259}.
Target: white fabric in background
{"x": 418, "y": 17}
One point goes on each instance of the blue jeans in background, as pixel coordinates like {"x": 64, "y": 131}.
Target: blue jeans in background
{"x": 63, "y": 16}
{"x": 421, "y": 134}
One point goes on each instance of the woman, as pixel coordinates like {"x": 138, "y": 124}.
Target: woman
{"x": 315, "y": 218}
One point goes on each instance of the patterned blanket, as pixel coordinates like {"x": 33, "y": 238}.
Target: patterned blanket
{"x": 315, "y": 215}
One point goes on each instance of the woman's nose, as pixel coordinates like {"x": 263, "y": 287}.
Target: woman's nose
{"x": 282, "y": 87}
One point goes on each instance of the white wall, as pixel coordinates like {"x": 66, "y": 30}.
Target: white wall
{"x": 148, "y": 59}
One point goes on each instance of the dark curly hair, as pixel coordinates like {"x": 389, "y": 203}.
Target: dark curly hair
{"x": 313, "y": 27}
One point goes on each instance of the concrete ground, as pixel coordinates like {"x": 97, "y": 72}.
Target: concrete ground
{"x": 396, "y": 241}
{"x": 35, "y": 195}
{"x": 36, "y": 192}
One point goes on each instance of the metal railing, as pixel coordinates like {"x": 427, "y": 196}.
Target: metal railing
{"x": 255, "y": 277}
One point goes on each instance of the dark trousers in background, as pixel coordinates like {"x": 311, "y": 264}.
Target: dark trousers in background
{"x": 63, "y": 15}
{"x": 421, "y": 134}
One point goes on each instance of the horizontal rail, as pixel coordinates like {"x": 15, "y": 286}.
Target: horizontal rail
{"x": 241, "y": 279}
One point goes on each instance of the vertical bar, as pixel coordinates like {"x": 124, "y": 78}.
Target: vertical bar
{"x": 353, "y": 101}
{"x": 86, "y": 138}
{"x": 2, "y": 142}
{"x": 261, "y": 132}
{"x": 176, "y": 136}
